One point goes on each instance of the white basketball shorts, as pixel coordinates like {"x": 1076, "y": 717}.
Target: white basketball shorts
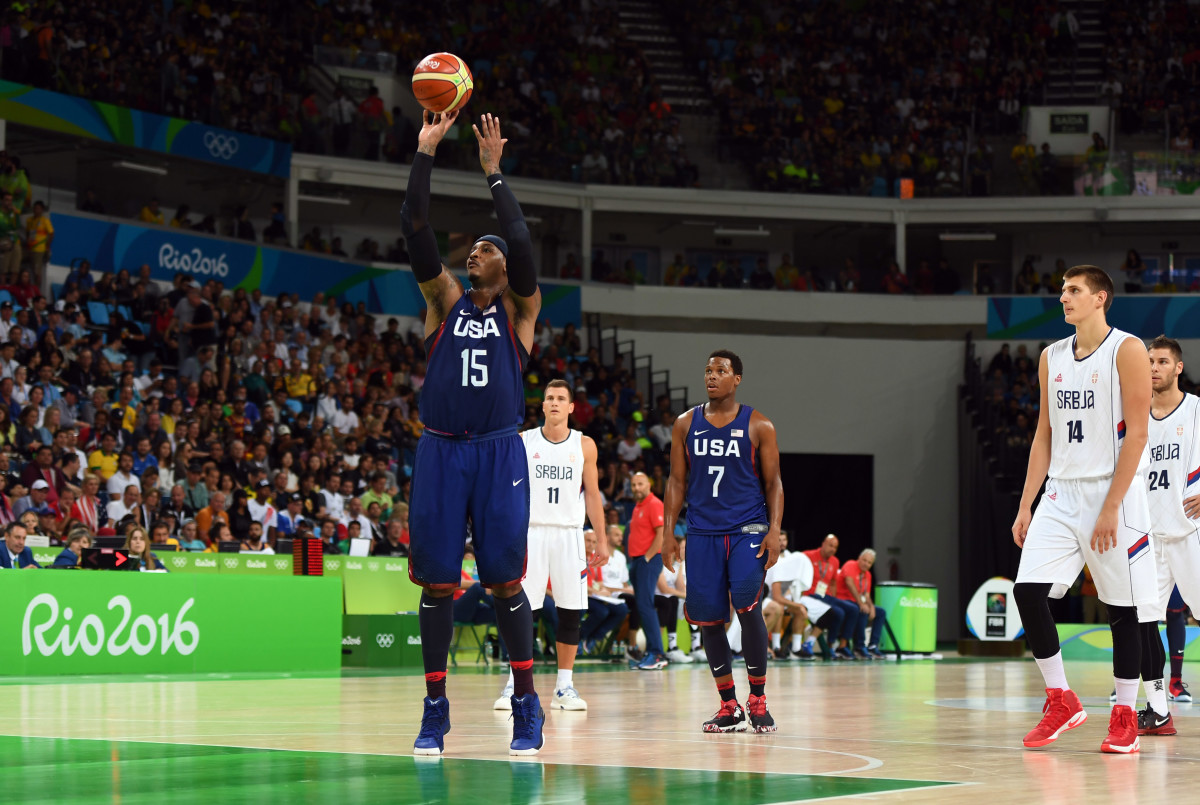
{"x": 557, "y": 556}
{"x": 1178, "y": 562}
{"x": 1059, "y": 544}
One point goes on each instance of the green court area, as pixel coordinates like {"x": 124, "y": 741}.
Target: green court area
{"x": 52, "y": 770}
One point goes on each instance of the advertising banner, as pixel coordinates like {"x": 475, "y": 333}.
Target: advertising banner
{"x": 1093, "y": 641}
{"x": 85, "y": 622}
{"x": 381, "y": 641}
{"x": 111, "y": 246}
{"x": 992, "y": 612}
{"x": 378, "y": 586}
{"x": 94, "y": 120}
{"x": 912, "y": 614}
{"x": 1040, "y": 317}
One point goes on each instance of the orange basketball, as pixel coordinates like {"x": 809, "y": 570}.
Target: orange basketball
{"x": 442, "y": 82}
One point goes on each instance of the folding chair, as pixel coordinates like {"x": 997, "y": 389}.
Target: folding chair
{"x": 476, "y": 642}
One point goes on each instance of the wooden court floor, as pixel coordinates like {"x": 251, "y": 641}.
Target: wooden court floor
{"x": 918, "y": 731}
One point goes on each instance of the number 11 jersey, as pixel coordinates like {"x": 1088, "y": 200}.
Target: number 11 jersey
{"x": 473, "y": 378}
{"x": 1086, "y": 412}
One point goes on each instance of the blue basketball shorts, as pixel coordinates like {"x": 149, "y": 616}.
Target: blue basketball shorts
{"x": 720, "y": 570}
{"x": 483, "y": 480}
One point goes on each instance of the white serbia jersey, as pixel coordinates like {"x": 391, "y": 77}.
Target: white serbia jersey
{"x": 1086, "y": 414}
{"x": 555, "y": 479}
{"x": 1174, "y": 469}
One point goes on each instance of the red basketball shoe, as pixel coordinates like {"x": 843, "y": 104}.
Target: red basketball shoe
{"x": 1062, "y": 712}
{"x": 1122, "y": 736}
{"x": 1151, "y": 723}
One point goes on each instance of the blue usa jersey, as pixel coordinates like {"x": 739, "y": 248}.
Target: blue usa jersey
{"x": 473, "y": 377}
{"x": 724, "y": 490}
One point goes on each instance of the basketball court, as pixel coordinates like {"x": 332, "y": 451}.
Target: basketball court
{"x": 918, "y": 731}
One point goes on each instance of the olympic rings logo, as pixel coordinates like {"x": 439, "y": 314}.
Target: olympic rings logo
{"x": 385, "y": 640}
{"x": 179, "y": 561}
{"x": 231, "y": 563}
{"x": 220, "y": 145}
{"x": 281, "y": 564}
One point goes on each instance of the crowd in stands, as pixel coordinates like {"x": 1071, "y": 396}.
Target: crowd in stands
{"x": 575, "y": 93}
{"x": 1153, "y": 68}
{"x": 816, "y": 100}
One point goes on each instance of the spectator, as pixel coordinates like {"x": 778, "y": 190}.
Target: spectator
{"x": 645, "y": 552}
{"x": 76, "y": 541}
{"x": 10, "y": 236}
{"x": 137, "y": 543}
{"x": 376, "y": 120}
{"x": 39, "y": 238}
{"x": 670, "y": 594}
{"x": 213, "y": 513}
{"x": 125, "y": 506}
{"x": 341, "y": 113}
{"x": 606, "y": 611}
{"x": 89, "y": 509}
{"x": 473, "y": 602}
{"x": 151, "y": 214}
{"x": 791, "y": 571}
{"x": 1133, "y": 268}
{"x": 854, "y": 585}
{"x": 35, "y": 499}
{"x": 15, "y": 554}
{"x": 824, "y": 586}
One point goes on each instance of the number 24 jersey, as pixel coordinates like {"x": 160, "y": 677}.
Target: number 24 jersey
{"x": 1174, "y": 468}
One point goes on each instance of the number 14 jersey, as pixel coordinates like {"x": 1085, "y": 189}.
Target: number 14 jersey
{"x": 1086, "y": 413}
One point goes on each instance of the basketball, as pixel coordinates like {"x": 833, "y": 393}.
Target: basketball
{"x": 442, "y": 82}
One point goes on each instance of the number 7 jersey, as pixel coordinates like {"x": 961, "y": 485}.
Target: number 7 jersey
{"x": 724, "y": 493}
{"x": 1174, "y": 468}
{"x": 1087, "y": 418}
{"x": 473, "y": 378}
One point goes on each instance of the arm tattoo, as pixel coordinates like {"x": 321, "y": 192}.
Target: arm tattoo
{"x": 425, "y": 148}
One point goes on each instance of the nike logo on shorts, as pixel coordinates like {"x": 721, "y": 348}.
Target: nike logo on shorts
{"x": 517, "y": 482}
{"x": 518, "y": 606}
{"x": 428, "y": 606}
{"x": 752, "y": 545}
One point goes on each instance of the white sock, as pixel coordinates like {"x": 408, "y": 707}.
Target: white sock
{"x": 511, "y": 682}
{"x": 1126, "y": 692}
{"x": 775, "y": 641}
{"x": 672, "y": 641}
{"x": 797, "y": 641}
{"x": 564, "y": 679}
{"x": 1156, "y": 695}
{"x": 1054, "y": 673}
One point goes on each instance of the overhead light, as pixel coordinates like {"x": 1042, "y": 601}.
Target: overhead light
{"x": 966, "y": 236}
{"x": 345, "y": 202}
{"x": 529, "y": 219}
{"x": 721, "y": 231}
{"x": 137, "y": 166}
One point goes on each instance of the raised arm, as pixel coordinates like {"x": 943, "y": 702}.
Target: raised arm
{"x": 676, "y": 488}
{"x": 762, "y": 430}
{"x": 439, "y": 287}
{"x": 593, "y": 502}
{"x": 522, "y": 274}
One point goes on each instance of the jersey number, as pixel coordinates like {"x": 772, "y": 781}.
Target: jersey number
{"x": 553, "y": 494}
{"x": 474, "y": 369}
{"x": 1158, "y": 480}
{"x": 720, "y": 473}
{"x": 1075, "y": 430}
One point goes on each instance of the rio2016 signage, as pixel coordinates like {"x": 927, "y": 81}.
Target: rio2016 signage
{"x": 95, "y": 622}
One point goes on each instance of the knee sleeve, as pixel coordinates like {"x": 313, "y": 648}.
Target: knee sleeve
{"x": 1127, "y": 642}
{"x": 1154, "y": 657}
{"x": 568, "y": 626}
{"x": 1033, "y": 604}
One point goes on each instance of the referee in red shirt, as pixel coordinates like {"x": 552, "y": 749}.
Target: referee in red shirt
{"x": 645, "y": 566}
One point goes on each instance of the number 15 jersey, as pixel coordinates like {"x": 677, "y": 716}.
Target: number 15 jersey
{"x": 1086, "y": 413}
{"x": 1174, "y": 469}
{"x": 473, "y": 380}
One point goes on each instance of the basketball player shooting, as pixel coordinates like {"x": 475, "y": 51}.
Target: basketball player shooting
{"x": 470, "y": 461}
{"x": 1173, "y": 490}
{"x": 1091, "y": 442}
{"x": 564, "y": 486}
{"x": 725, "y": 463}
